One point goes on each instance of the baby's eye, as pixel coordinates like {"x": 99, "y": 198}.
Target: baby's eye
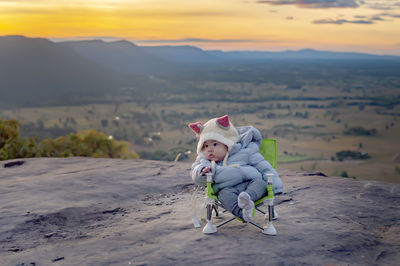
{"x": 215, "y": 144}
{"x": 206, "y": 146}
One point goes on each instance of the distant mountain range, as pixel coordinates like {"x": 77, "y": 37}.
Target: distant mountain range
{"x": 125, "y": 56}
{"x": 38, "y": 71}
{"x": 310, "y": 54}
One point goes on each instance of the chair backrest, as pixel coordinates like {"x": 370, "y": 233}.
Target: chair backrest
{"x": 268, "y": 150}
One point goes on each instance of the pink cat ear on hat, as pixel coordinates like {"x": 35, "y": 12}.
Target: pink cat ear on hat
{"x": 196, "y": 127}
{"x": 223, "y": 121}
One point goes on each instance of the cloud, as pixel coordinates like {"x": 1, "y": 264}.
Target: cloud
{"x": 313, "y": 3}
{"x": 160, "y": 41}
{"x": 383, "y": 5}
{"x": 376, "y": 18}
{"x": 371, "y": 18}
{"x": 390, "y": 15}
{"x": 171, "y": 41}
{"x": 197, "y": 40}
{"x": 278, "y": 3}
{"x": 341, "y": 21}
{"x": 379, "y": 16}
{"x": 84, "y": 38}
{"x": 372, "y": 4}
{"x": 359, "y": 19}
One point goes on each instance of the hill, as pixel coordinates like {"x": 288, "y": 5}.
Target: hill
{"x": 121, "y": 56}
{"x": 192, "y": 63}
{"x": 183, "y": 54}
{"x": 35, "y": 71}
{"x": 38, "y": 72}
{"x": 89, "y": 211}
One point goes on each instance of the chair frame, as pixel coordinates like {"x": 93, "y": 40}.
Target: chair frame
{"x": 268, "y": 150}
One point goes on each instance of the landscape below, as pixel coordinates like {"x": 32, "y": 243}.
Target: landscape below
{"x": 337, "y": 115}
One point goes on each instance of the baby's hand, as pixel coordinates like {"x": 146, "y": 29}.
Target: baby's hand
{"x": 205, "y": 170}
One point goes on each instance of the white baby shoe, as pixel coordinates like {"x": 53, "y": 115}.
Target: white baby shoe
{"x": 247, "y": 206}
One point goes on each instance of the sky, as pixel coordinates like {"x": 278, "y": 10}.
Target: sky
{"x": 368, "y": 26}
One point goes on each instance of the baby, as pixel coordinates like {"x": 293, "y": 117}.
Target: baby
{"x": 240, "y": 173}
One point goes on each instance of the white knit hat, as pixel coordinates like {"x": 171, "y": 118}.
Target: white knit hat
{"x": 219, "y": 129}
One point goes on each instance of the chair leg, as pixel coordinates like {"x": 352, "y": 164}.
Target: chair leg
{"x": 214, "y": 207}
{"x": 270, "y": 228}
{"x": 274, "y": 213}
{"x": 209, "y": 228}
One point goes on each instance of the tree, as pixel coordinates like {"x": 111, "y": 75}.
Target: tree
{"x": 12, "y": 145}
{"x": 104, "y": 123}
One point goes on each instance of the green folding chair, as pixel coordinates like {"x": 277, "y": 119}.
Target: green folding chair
{"x": 268, "y": 149}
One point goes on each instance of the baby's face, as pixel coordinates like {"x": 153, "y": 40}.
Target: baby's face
{"x": 214, "y": 150}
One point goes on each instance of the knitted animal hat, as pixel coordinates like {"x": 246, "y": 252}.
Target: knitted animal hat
{"x": 219, "y": 129}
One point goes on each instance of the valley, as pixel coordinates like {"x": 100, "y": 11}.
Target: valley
{"x": 311, "y": 123}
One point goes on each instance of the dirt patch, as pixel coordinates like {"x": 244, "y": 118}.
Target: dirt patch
{"x": 67, "y": 224}
{"x": 396, "y": 158}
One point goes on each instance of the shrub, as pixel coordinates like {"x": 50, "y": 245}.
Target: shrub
{"x": 104, "y": 123}
{"x": 300, "y": 114}
{"x": 90, "y": 143}
{"x": 359, "y": 131}
{"x": 397, "y": 170}
{"x": 344, "y": 174}
{"x": 342, "y": 155}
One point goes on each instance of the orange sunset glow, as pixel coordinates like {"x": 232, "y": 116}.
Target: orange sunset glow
{"x": 371, "y": 26}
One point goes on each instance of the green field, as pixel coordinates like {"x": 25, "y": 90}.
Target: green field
{"x": 311, "y": 123}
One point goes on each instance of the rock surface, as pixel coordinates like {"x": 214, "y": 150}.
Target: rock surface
{"x": 82, "y": 211}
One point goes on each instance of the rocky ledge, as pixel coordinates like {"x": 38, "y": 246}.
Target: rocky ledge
{"x": 84, "y": 211}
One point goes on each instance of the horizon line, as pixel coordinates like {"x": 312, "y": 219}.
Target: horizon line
{"x": 175, "y": 43}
